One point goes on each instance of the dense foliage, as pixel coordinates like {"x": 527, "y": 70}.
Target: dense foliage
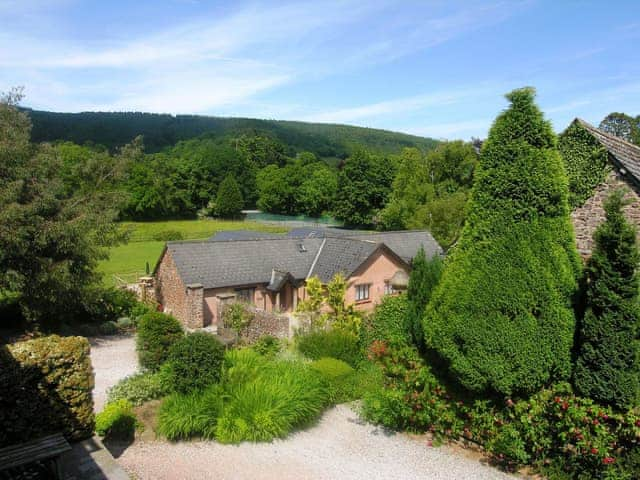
{"x": 138, "y": 388}
{"x": 116, "y": 421}
{"x": 193, "y": 362}
{"x": 555, "y": 431}
{"x": 57, "y": 211}
{"x": 623, "y": 126}
{"x": 586, "y": 162}
{"x": 257, "y": 400}
{"x": 430, "y": 191}
{"x": 501, "y": 317}
{"x": 333, "y": 343}
{"x": 425, "y": 276}
{"x": 364, "y": 184}
{"x": 608, "y": 364}
{"x": 46, "y": 388}
{"x": 157, "y": 332}
{"x": 302, "y": 186}
{"x": 389, "y": 321}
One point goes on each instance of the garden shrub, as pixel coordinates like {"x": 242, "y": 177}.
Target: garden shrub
{"x": 46, "y": 388}
{"x": 241, "y": 365}
{"x": 125, "y": 323}
{"x": 156, "y": 333}
{"x": 501, "y": 317}
{"x": 553, "y": 430}
{"x": 343, "y": 382}
{"x": 138, "y": 388}
{"x": 608, "y": 364}
{"x": 116, "y": 421}
{"x": 424, "y": 277}
{"x": 168, "y": 236}
{"x": 108, "y": 328}
{"x": 237, "y": 317}
{"x": 333, "y": 343}
{"x": 283, "y": 396}
{"x": 267, "y": 345}
{"x": 193, "y": 362}
{"x": 194, "y": 414}
{"x": 389, "y": 321}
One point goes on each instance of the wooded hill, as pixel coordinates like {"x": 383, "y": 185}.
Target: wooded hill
{"x": 113, "y": 129}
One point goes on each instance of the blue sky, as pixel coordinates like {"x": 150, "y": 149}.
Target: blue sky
{"x": 431, "y": 68}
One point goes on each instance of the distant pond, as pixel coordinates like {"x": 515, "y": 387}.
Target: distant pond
{"x": 290, "y": 220}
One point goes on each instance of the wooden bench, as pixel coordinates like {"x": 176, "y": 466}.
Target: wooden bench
{"x": 46, "y": 450}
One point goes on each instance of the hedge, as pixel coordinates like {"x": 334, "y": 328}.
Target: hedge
{"x": 46, "y": 388}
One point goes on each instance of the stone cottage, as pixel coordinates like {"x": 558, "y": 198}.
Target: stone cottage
{"x": 621, "y": 169}
{"x": 194, "y": 280}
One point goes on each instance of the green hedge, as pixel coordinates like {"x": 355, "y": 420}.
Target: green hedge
{"x": 46, "y": 387}
{"x": 389, "y": 321}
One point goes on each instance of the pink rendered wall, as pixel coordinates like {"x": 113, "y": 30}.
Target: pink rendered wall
{"x": 375, "y": 272}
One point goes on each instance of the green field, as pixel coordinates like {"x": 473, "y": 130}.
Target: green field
{"x": 128, "y": 261}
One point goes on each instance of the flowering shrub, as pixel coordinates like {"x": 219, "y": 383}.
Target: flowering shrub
{"x": 553, "y": 430}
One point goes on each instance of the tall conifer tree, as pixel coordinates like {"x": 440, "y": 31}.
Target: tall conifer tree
{"x": 608, "y": 364}
{"x": 501, "y": 317}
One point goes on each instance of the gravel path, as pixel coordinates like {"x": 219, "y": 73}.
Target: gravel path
{"x": 113, "y": 358}
{"x": 340, "y": 446}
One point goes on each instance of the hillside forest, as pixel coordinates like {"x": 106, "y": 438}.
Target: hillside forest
{"x": 188, "y": 166}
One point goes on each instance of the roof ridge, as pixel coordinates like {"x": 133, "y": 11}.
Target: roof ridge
{"x": 610, "y": 136}
{"x": 315, "y": 260}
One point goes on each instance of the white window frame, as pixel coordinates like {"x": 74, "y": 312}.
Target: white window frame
{"x": 388, "y": 288}
{"x": 363, "y": 292}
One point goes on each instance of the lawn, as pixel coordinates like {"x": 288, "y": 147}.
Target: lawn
{"x": 129, "y": 261}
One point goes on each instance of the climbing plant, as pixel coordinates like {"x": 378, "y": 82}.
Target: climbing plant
{"x": 585, "y": 162}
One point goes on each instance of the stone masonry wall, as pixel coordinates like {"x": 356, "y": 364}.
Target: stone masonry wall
{"x": 587, "y": 217}
{"x": 170, "y": 291}
{"x": 194, "y": 307}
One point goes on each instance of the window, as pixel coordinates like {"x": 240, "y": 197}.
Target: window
{"x": 362, "y": 292}
{"x": 388, "y": 288}
{"x": 245, "y": 295}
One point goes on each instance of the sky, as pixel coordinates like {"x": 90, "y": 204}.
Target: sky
{"x": 432, "y": 68}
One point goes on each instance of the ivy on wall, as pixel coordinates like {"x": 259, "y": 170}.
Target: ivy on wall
{"x": 585, "y": 161}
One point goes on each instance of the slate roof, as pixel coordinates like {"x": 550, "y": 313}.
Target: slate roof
{"x": 405, "y": 244}
{"x": 228, "y": 235}
{"x": 341, "y": 255}
{"x": 242, "y": 262}
{"x": 232, "y": 263}
{"x": 626, "y": 154}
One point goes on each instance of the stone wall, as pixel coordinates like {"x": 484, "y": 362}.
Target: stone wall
{"x": 194, "y": 317}
{"x": 587, "y": 217}
{"x": 264, "y": 323}
{"x": 170, "y": 291}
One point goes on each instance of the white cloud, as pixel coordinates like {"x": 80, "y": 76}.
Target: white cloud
{"x": 217, "y": 60}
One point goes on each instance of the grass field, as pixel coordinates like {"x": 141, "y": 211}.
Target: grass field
{"x": 129, "y": 261}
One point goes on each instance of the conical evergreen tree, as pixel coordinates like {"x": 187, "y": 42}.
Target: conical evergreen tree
{"x": 608, "y": 364}
{"x": 501, "y": 317}
{"x": 229, "y": 200}
{"x": 425, "y": 275}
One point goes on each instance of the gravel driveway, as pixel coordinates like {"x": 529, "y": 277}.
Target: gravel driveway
{"x": 340, "y": 446}
{"x": 113, "y": 358}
